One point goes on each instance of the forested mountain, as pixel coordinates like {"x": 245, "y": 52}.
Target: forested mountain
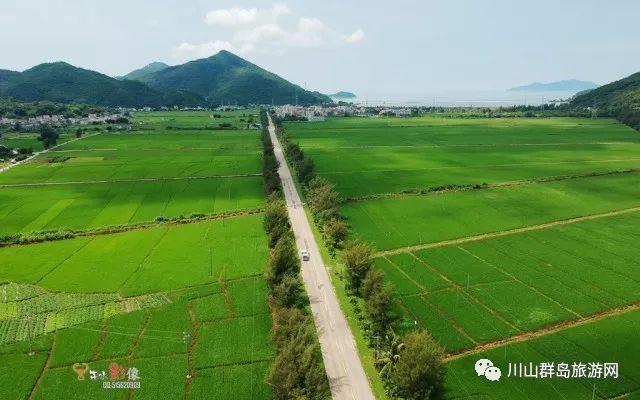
{"x": 64, "y": 83}
{"x": 225, "y": 78}
{"x": 220, "y": 79}
{"x": 139, "y": 74}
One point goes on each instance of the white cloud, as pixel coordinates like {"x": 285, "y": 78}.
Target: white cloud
{"x": 279, "y": 9}
{"x": 190, "y": 51}
{"x": 232, "y": 16}
{"x": 355, "y": 37}
{"x": 261, "y": 30}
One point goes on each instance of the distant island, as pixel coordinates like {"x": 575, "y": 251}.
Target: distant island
{"x": 569, "y": 85}
{"x": 343, "y": 95}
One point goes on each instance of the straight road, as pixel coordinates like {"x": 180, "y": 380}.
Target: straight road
{"x": 342, "y": 363}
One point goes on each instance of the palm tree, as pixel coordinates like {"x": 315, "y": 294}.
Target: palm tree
{"x": 387, "y": 359}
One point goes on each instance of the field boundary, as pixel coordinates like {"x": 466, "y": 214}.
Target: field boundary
{"x": 444, "y": 189}
{"x": 428, "y": 146}
{"x": 508, "y": 232}
{"x": 458, "y": 287}
{"x": 50, "y": 236}
{"x": 132, "y": 180}
{"x": 372, "y": 171}
{"x": 561, "y": 326}
{"x": 45, "y": 367}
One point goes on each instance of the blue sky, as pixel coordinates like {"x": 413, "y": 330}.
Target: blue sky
{"x": 393, "y": 46}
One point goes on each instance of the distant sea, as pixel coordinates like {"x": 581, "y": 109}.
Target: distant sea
{"x": 463, "y": 98}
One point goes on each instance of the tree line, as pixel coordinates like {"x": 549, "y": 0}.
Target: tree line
{"x": 410, "y": 365}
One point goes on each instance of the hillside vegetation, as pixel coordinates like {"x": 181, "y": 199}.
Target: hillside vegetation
{"x": 624, "y": 93}
{"x": 148, "y": 69}
{"x": 221, "y": 79}
{"x": 226, "y": 78}
{"x": 63, "y": 83}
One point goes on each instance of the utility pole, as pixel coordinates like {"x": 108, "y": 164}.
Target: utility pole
{"x": 28, "y": 319}
{"x": 186, "y": 338}
{"x": 377, "y": 345}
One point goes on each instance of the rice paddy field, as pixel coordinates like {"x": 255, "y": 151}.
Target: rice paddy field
{"x": 537, "y": 263}
{"x": 135, "y": 176}
{"x": 164, "y": 297}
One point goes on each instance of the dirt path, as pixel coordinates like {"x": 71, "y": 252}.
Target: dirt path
{"x": 506, "y": 232}
{"x": 523, "y": 337}
{"x": 45, "y": 367}
{"x": 347, "y": 378}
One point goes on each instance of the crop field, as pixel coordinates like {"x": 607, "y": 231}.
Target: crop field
{"x": 464, "y": 293}
{"x": 606, "y": 340}
{"x": 368, "y": 156}
{"x": 509, "y": 239}
{"x": 434, "y": 218}
{"x": 122, "y": 178}
{"x": 228, "y": 352}
{"x": 143, "y": 260}
{"x": 26, "y": 209}
{"x": 169, "y": 297}
{"x": 28, "y": 140}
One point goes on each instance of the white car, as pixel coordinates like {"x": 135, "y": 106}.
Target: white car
{"x": 305, "y": 255}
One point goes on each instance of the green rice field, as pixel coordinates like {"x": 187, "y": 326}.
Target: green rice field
{"x": 169, "y": 299}
{"x": 368, "y": 156}
{"x": 537, "y": 263}
{"x": 128, "y": 177}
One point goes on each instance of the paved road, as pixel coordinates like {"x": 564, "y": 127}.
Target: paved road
{"x": 346, "y": 375}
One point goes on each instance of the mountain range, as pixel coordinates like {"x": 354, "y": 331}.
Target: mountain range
{"x": 223, "y": 78}
{"x": 569, "y": 85}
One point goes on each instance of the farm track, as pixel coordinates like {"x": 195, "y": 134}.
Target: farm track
{"x": 143, "y": 225}
{"x": 34, "y": 155}
{"x": 467, "y": 188}
{"x": 526, "y": 336}
{"x": 508, "y": 232}
{"x": 133, "y": 180}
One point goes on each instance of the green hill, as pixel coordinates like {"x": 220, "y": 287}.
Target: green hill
{"x": 139, "y": 74}
{"x": 5, "y": 76}
{"x": 63, "y": 83}
{"x": 226, "y": 78}
{"x": 624, "y": 93}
